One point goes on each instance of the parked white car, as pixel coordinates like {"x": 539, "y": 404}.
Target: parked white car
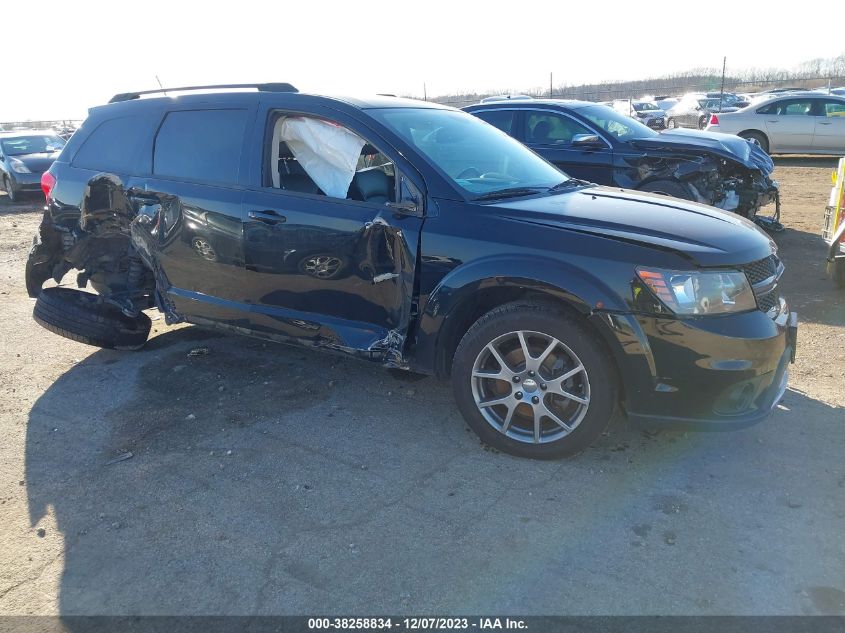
{"x": 805, "y": 123}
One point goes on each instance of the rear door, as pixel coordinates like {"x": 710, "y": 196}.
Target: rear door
{"x": 335, "y": 270}
{"x": 192, "y": 199}
{"x": 830, "y": 126}
{"x": 550, "y": 134}
{"x": 790, "y": 125}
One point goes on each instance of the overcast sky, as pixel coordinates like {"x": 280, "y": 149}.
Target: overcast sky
{"x": 61, "y": 57}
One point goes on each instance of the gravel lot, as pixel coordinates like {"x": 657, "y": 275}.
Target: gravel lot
{"x": 266, "y": 480}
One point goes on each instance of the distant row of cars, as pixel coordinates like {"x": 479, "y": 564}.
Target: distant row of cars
{"x": 692, "y": 110}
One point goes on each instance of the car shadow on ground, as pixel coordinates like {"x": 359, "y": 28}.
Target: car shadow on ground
{"x": 224, "y": 475}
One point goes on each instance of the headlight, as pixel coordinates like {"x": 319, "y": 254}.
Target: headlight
{"x": 699, "y": 293}
{"x": 18, "y": 166}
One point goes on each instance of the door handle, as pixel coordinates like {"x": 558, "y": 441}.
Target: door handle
{"x": 772, "y": 121}
{"x": 825, "y": 122}
{"x": 268, "y": 216}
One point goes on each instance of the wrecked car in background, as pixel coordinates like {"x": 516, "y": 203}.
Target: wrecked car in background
{"x": 598, "y": 144}
{"x": 418, "y": 237}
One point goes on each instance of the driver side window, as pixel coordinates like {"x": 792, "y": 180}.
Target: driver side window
{"x": 547, "y": 128}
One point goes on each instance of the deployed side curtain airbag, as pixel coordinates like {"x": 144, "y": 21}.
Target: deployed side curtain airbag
{"x": 327, "y": 152}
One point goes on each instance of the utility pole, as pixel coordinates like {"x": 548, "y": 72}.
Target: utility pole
{"x": 425, "y": 94}
{"x": 551, "y": 92}
{"x": 722, "y": 92}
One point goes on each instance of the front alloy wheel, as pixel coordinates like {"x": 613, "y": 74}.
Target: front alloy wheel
{"x": 530, "y": 387}
{"x": 534, "y": 380}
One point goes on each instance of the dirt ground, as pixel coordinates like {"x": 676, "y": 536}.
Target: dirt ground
{"x": 261, "y": 479}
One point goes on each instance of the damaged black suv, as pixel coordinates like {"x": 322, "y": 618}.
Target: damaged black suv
{"x": 596, "y": 143}
{"x": 419, "y": 237}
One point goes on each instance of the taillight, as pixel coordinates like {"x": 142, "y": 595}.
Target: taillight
{"x": 48, "y": 181}
{"x": 714, "y": 120}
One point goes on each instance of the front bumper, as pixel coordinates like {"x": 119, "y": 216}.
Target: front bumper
{"x": 705, "y": 373}
{"x": 26, "y": 182}
{"x": 655, "y": 124}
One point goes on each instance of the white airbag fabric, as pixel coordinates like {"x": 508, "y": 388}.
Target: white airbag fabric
{"x": 327, "y": 152}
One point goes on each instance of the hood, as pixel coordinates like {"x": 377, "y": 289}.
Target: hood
{"x": 702, "y": 234}
{"x": 651, "y": 114}
{"x": 726, "y": 146}
{"x": 38, "y": 163}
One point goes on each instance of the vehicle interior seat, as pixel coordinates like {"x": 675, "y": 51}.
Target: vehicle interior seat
{"x": 371, "y": 185}
{"x": 292, "y": 176}
{"x": 540, "y": 133}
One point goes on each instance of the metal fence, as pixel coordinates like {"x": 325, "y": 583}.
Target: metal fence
{"x": 670, "y": 87}
{"x": 40, "y": 125}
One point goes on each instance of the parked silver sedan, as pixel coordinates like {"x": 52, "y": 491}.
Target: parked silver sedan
{"x": 803, "y": 123}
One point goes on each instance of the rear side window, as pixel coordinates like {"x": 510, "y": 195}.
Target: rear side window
{"x": 201, "y": 145}
{"x": 114, "y": 145}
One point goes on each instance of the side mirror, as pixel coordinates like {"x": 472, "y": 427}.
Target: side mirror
{"x": 587, "y": 140}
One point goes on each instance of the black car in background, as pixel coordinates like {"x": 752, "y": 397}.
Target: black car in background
{"x": 595, "y": 143}
{"x": 418, "y": 237}
{"x": 24, "y": 156}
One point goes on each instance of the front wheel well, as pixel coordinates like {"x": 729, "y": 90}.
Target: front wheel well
{"x": 753, "y": 132}
{"x": 478, "y": 304}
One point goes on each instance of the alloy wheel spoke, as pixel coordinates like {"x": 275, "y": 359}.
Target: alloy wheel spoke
{"x": 554, "y": 417}
{"x": 546, "y": 352}
{"x": 572, "y": 396}
{"x": 524, "y": 344}
{"x": 506, "y": 371}
{"x": 493, "y": 374}
{"x": 538, "y": 421}
{"x": 507, "y": 422}
{"x": 556, "y": 385}
{"x": 507, "y": 400}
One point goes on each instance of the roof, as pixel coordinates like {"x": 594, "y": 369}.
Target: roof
{"x": 246, "y": 95}
{"x": 533, "y": 103}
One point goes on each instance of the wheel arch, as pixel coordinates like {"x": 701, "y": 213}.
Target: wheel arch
{"x": 754, "y": 130}
{"x": 472, "y": 290}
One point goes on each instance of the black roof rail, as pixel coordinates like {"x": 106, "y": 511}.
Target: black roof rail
{"x": 266, "y": 87}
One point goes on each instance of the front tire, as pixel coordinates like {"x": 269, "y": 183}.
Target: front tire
{"x": 670, "y": 124}
{"x": 533, "y": 381}
{"x": 760, "y": 138}
{"x": 11, "y": 192}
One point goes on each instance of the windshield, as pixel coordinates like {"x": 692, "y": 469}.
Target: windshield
{"x": 622, "y": 127}
{"x": 19, "y": 145}
{"x": 476, "y": 156}
{"x": 644, "y": 105}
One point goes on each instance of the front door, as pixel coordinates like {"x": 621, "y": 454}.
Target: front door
{"x": 790, "y": 125}
{"x": 335, "y": 268}
{"x": 550, "y": 135}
